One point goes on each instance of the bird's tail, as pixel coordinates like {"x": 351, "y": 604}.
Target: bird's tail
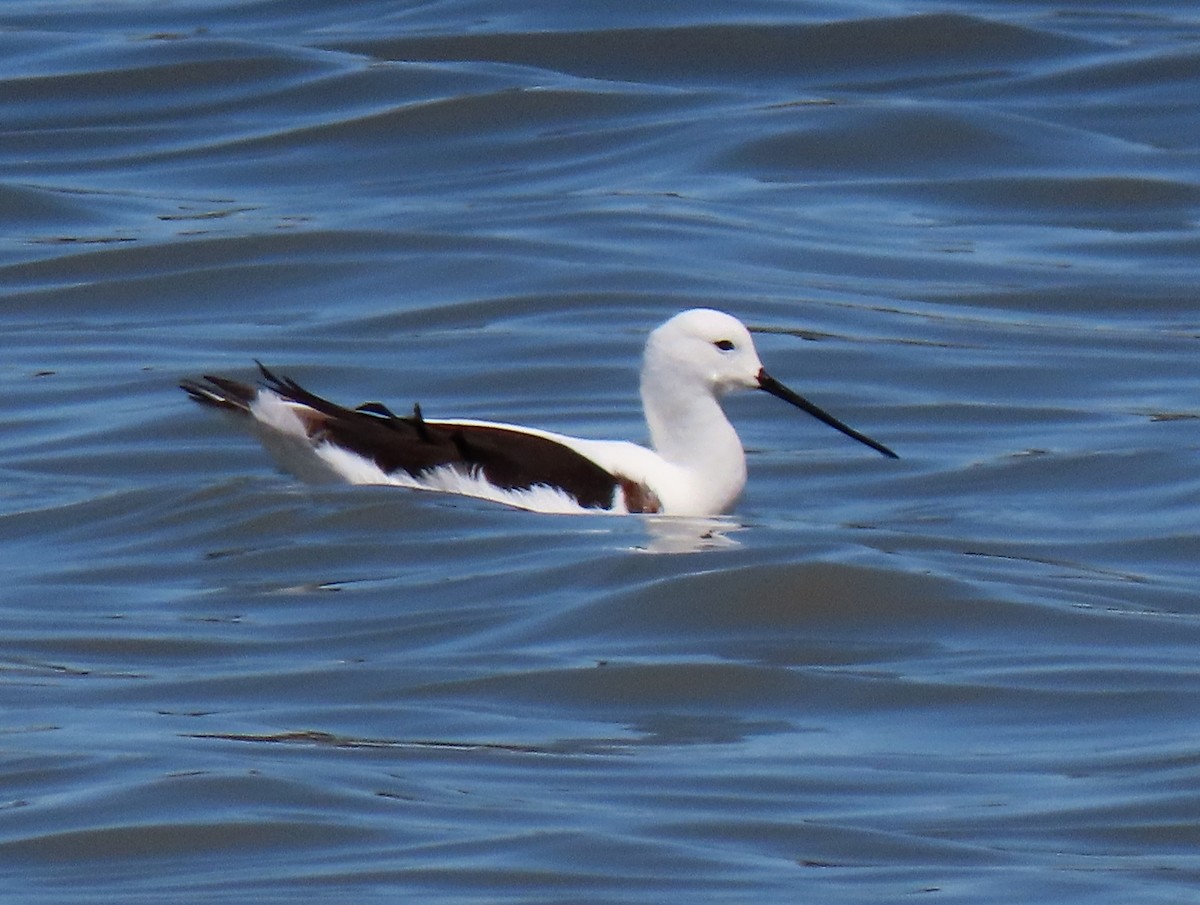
{"x": 221, "y": 392}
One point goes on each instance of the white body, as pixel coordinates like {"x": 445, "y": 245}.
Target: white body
{"x": 696, "y": 467}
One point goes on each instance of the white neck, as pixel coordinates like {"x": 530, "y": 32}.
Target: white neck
{"x": 689, "y": 430}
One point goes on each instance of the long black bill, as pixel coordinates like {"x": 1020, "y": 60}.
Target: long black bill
{"x": 775, "y": 388}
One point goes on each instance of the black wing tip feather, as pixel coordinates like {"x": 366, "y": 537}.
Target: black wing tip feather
{"x": 219, "y": 392}
{"x": 270, "y": 378}
{"x": 196, "y": 391}
{"x": 281, "y": 384}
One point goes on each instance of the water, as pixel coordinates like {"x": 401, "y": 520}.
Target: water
{"x": 968, "y": 675}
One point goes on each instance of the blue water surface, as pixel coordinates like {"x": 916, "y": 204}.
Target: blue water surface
{"x": 969, "y": 675}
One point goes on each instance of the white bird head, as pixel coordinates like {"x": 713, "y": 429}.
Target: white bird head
{"x": 705, "y": 352}
{"x": 706, "y": 347}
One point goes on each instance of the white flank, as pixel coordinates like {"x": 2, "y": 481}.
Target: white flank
{"x": 355, "y": 469}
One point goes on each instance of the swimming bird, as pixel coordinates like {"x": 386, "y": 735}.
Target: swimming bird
{"x": 696, "y": 466}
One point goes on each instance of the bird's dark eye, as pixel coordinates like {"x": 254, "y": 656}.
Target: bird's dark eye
{"x": 725, "y": 345}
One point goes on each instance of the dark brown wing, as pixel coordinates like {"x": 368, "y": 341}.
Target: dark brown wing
{"x": 508, "y": 459}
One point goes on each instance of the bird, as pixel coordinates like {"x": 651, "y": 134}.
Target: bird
{"x": 695, "y": 465}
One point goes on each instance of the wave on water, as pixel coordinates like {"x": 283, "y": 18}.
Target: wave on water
{"x": 968, "y": 673}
